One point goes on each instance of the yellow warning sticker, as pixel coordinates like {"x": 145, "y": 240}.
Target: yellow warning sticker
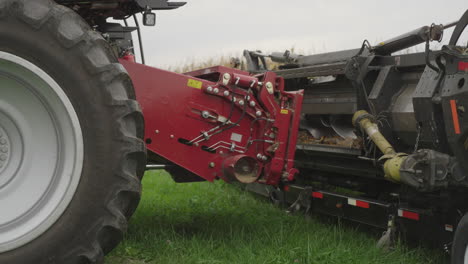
{"x": 284, "y": 111}
{"x": 194, "y": 84}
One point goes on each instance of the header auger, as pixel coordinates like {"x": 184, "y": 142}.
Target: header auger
{"x": 81, "y": 120}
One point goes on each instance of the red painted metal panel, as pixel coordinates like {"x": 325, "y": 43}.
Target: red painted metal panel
{"x": 185, "y": 118}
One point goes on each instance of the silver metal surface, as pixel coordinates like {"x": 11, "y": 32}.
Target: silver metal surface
{"x": 41, "y": 151}
{"x": 4, "y": 149}
{"x": 329, "y": 148}
{"x": 466, "y": 255}
{"x": 316, "y": 128}
{"x": 343, "y": 127}
{"x": 156, "y": 166}
{"x": 403, "y": 118}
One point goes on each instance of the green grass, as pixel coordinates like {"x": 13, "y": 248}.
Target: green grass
{"x": 205, "y": 223}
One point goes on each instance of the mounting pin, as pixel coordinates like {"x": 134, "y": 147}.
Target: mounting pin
{"x": 269, "y": 87}
{"x": 226, "y": 78}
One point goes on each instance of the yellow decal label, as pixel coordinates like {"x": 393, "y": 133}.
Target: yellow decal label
{"x": 284, "y": 111}
{"x": 194, "y": 84}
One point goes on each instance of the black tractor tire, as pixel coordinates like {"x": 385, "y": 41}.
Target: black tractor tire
{"x": 460, "y": 242}
{"x": 61, "y": 43}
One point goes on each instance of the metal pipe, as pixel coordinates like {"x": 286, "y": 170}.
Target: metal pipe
{"x": 412, "y": 38}
{"x": 449, "y": 25}
{"x": 140, "y": 40}
{"x": 157, "y": 166}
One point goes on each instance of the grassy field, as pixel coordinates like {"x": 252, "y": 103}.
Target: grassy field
{"x": 204, "y": 223}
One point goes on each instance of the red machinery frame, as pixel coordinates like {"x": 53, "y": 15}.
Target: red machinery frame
{"x": 220, "y": 122}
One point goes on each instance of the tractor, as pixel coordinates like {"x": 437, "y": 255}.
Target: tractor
{"x": 372, "y": 134}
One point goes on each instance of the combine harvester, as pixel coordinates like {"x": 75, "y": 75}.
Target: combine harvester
{"x": 362, "y": 134}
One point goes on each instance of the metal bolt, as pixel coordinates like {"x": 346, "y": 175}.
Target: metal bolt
{"x": 205, "y": 114}
{"x": 157, "y": 131}
{"x": 3, "y": 157}
{"x": 4, "y": 150}
{"x": 212, "y": 164}
{"x": 221, "y": 152}
{"x": 259, "y": 113}
{"x": 3, "y": 141}
{"x": 209, "y": 89}
{"x": 172, "y": 136}
{"x": 272, "y": 135}
{"x": 226, "y": 93}
{"x": 241, "y": 102}
{"x": 262, "y": 157}
{"x": 216, "y": 90}
{"x": 226, "y": 78}
{"x": 269, "y": 87}
{"x": 252, "y": 104}
{"x": 196, "y": 144}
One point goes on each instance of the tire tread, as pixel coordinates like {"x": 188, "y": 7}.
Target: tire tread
{"x": 72, "y": 32}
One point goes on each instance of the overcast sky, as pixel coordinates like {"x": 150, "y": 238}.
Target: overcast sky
{"x": 209, "y": 28}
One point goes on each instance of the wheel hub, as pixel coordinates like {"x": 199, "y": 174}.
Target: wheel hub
{"x": 11, "y": 150}
{"x": 4, "y": 149}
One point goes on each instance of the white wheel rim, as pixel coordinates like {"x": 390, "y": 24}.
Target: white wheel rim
{"x": 41, "y": 151}
{"x": 466, "y": 255}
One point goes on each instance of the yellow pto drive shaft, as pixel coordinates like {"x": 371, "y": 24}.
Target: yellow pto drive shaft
{"x": 394, "y": 160}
